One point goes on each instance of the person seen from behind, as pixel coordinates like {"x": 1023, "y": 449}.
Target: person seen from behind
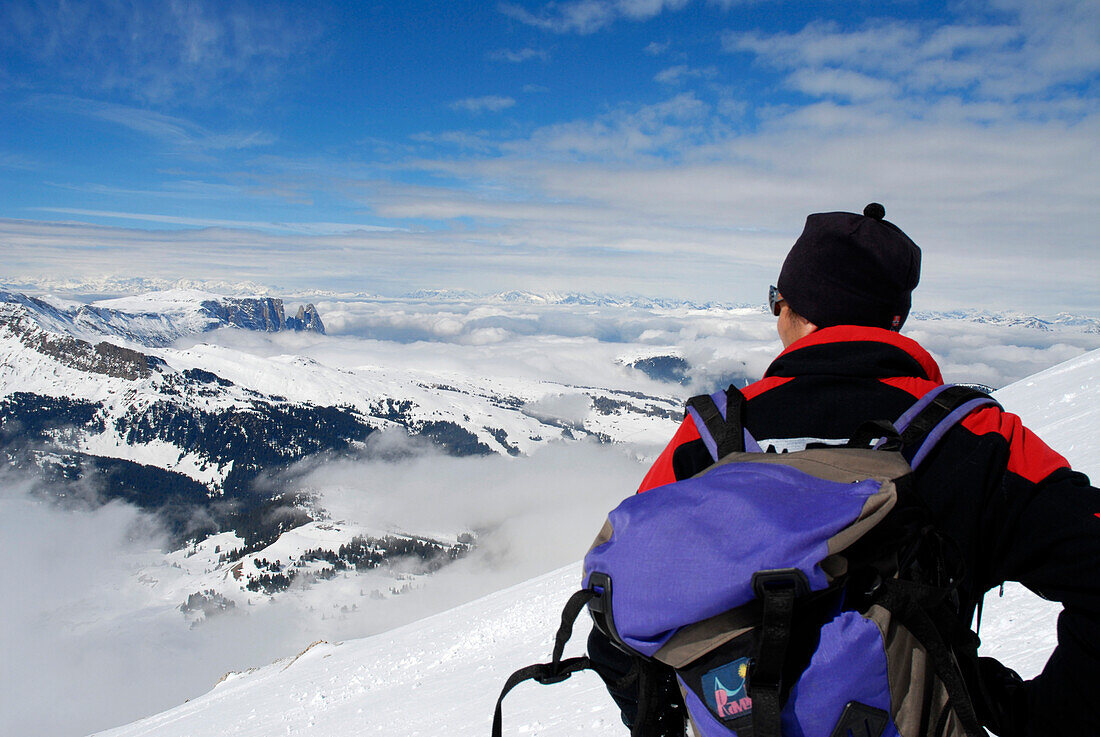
{"x": 1011, "y": 505}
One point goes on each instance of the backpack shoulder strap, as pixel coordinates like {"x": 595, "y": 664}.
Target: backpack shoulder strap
{"x": 924, "y": 424}
{"x": 719, "y": 417}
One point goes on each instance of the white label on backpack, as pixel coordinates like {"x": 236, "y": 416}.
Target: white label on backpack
{"x": 790, "y": 445}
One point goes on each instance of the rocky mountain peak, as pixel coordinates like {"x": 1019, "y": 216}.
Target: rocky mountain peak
{"x": 308, "y": 318}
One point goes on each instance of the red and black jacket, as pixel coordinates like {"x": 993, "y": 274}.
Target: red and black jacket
{"x": 1013, "y": 505}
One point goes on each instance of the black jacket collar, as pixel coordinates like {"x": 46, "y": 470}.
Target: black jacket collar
{"x": 853, "y": 350}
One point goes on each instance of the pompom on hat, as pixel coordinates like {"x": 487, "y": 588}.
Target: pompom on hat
{"x": 849, "y": 269}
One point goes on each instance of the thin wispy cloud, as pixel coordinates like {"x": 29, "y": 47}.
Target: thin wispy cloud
{"x": 518, "y": 56}
{"x": 161, "y": 51}
{"x": 186, "y": 189}
{"x": 167, "y": 128}
{"x": 304, "y": 228}
{"x": 10, "y": 160}
{"x": 666, "y": 127}
{"x": 589, "y": 16}
{"x": 487, "y": 103}
{"x": 682, "y": 73}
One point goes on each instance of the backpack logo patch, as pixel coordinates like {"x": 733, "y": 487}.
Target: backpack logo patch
{"x": 725, "y": 692}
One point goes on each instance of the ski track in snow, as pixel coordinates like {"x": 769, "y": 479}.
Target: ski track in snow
{"x": 441, "y": 675}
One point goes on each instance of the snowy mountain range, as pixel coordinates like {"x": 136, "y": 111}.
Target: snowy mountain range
{"x": 1062, "y": 320}
{"x": 126, "y": 397}
{"x": 441, "y": 675}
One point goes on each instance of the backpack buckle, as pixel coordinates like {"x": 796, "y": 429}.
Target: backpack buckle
{"x": 780, "y": 579}
{"x": 602, "y": 615}
{"x": 551, "y": 678}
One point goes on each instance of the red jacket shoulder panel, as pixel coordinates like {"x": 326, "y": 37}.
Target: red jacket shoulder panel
{"x": 1029, "y": 457}
{"x": 661, "y": 473}
{"x": 757, "y": 388}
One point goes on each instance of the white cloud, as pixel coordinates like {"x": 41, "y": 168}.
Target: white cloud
{"x": 518, "y": 56}
{"x": 487, "y": 103}
{"x": 841, "y": 83}
{"x": 1039, "y": 49}
{"x": 1060, "y": 36}
{"x": 589, "y": 16}
{"x": 824, "y": 44}
{"x": 581, "y": 16}
{"x": 64, "y": 629}
{"x": 682, "y": 73}
{"x": 570, "y": 409}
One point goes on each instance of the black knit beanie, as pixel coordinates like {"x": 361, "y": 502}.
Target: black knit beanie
{"x": 848, "y": 269}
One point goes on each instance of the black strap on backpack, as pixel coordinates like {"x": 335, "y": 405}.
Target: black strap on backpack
{"x": 557, "y": 670}
{"x": 779, "y": 591}
{"x": 928, "y": 424}
{"x": 649, "y": 721}
{"x": 728, "y": 432}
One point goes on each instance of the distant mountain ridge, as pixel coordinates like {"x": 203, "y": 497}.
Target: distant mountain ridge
{"x": 1062, "y": 320}
{"x": 159, "y": 318}
{"x": 519, "y": 296}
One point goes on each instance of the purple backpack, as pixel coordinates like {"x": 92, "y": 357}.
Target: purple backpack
{"x": 798, "y": 594}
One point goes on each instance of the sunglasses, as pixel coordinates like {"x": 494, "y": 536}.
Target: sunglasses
{"x": 774, "y": 298}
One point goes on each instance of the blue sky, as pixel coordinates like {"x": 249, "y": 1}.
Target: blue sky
{"x": 658, "y": 147}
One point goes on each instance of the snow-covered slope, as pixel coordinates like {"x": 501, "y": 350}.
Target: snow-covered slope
{"x": 438, "y": 676}
{"x": 441, "y": 675}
